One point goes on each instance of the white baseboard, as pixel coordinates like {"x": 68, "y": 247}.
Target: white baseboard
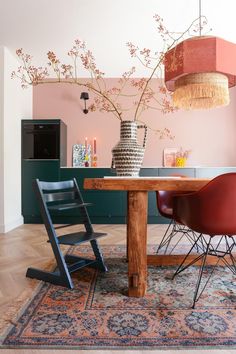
{"x": 11, "y": 225}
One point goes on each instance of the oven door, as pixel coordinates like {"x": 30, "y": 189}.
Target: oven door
{"x": 41, "y": 141}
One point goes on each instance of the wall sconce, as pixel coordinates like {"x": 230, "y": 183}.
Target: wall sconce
{"x": 84, "y": 96}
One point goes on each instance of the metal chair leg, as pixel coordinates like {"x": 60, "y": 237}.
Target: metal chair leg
{"x": 213, "y": 250}
{"x": 180, "y": 267}
{"x": 169, "y": 235}
{"x": 165, "y": 238}
{"x": 200, "y": 274}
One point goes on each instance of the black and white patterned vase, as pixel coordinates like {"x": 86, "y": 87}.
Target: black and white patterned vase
{"x": 127, "y": 154}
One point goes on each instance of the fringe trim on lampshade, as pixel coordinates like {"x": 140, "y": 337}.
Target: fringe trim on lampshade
{"x": 201, "y": 91}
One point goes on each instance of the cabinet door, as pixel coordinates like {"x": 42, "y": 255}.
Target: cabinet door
{"x": 45, "y": 170}
{"x": 81, "y": 173}
{"x": 211, "y": 172}
{"x": 183, "y": 171}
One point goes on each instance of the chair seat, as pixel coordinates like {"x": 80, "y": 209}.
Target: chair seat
{"x": 68, "y": 206}
{"x": 79, "y": 237}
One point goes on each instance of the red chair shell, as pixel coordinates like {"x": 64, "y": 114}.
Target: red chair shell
{"x": 211, "y": 210}
{"x": 165, "y": 202}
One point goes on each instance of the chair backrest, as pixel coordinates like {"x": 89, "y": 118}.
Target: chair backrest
{"x": 59, "y": 192}
{"x": 211, "y": 210}
{"x": 165, "y": 203}
{"x": 59, "y": 197}
{"x": 165, "y": 200}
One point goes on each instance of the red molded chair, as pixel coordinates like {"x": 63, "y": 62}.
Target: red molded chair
{"x": 175, "y": 231}
{"x": 211, "y": 212}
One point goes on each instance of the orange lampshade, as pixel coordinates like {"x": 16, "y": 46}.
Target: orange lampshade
{"x": 199, "y": 72}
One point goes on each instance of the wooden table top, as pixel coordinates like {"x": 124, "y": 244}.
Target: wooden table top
{"x": 146, "y": 184}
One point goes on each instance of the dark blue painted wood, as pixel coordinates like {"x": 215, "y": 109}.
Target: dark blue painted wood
{"x": 62, "y": 275}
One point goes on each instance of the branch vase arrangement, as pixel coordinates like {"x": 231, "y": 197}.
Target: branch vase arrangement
{"x": 127, "y": 154}
{"x": 117, "y": 100}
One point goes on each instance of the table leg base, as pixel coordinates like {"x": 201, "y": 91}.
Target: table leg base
{"x": 136, "y": 288}
{"x": 175, "y": 260}
{"x": 137, "y": 242}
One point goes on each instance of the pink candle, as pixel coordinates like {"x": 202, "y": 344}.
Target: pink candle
{"x": 94, "y": 146}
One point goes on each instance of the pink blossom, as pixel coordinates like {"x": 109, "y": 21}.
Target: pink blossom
{"x": 52, "y": 57}
{"x": 108, "y": 99}
{"x": 139, "y": 83}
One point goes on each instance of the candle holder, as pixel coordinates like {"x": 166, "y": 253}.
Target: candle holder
{"x": 94, "y": 156}
{"x": 86, "y": 162}
{"x": 87, "y": 156}
{"x": 94, "y": 160}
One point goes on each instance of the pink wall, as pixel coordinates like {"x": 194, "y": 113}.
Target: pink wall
{"x": 209, "y": 134}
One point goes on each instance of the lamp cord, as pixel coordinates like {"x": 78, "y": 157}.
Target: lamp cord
{"x": 200, "y": 17}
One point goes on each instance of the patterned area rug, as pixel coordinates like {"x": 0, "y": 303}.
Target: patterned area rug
{"x": 97, "y": 314}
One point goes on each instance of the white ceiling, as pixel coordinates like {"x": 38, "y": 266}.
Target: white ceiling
{"x": 105, "y": 25}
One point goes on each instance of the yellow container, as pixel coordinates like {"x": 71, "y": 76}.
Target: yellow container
{"x": 180, "y": 161}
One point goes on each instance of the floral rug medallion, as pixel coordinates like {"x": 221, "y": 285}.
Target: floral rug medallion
{"x": 97, "y": 313}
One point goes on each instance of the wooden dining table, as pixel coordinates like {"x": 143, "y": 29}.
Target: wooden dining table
{"x": 137, "y": 215}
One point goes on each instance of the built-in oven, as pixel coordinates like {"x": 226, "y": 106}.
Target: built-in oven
{"x": 40, "y": 140}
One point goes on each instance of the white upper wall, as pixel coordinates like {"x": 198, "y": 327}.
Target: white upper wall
{"x": 1, "y": 137}
{"x": 16, "y": 104}
{"x": 106, "y": 26}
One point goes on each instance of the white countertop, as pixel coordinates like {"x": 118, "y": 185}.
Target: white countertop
{"x": 155, "y": 167}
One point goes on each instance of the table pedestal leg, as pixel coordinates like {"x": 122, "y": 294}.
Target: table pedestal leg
{"x": 137, "y": 242}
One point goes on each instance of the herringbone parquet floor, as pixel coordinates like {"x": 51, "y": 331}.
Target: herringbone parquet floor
{"x": 26, "y": 246}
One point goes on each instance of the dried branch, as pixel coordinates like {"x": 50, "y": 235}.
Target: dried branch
{"x": 107, "y": 99}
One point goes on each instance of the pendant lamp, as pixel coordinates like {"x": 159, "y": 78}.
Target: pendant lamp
{"x": 199, "y": 72}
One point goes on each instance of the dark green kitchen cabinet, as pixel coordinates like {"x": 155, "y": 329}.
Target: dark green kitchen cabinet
{"x": 45, "y": 170}
{"x": 211, "y": 172}
{"x": 108, "y": 207}
{"x": 43, "y": 151}
{"x": 171, "y": 171}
